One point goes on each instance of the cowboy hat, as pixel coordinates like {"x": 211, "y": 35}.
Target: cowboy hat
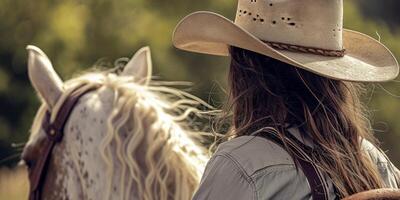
{"x": 307, "y": 34}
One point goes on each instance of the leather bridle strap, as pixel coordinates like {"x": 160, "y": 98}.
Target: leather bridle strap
{"x": 54, "y": 135}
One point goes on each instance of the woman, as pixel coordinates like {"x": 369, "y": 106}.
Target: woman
{"x": 299, "y": 128}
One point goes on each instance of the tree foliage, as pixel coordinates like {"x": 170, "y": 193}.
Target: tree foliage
{"x": 384, "y": 11}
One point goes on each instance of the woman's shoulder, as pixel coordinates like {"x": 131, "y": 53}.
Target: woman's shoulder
{"x": 388, "y": 172}
{"x": 255, "y": 168}
{"x": 253, "y": 153}
{"x": 375, "y": 153}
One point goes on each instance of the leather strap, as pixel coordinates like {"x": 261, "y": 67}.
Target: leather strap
{"x": 304, "y": 49}
{"x": 54, "y": 135}
{"x": 299, "y": 155}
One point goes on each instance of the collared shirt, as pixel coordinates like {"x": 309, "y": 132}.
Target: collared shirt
{"x": 253, "y": 168}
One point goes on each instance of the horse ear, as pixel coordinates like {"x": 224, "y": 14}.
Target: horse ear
{"x": 43, "y": 77}
{"x": 140, "y": 66}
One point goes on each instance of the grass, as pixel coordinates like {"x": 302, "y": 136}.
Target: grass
{"x": 14, "y": 184}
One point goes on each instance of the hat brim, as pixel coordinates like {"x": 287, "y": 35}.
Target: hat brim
{"x": 366, "y": 59}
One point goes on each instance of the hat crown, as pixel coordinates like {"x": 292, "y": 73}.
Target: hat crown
{"x": 309, "y": 23}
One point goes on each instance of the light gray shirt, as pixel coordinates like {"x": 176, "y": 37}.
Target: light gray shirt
{"x": 253, "y": 168}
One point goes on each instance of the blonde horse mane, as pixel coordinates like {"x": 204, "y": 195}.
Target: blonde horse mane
{"x": 149, "y": 122}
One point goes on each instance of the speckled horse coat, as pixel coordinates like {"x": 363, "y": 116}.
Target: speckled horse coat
{"x": 119, "y": 142}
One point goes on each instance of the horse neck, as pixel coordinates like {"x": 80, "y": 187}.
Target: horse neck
{"x": 88, "y": 163}
{"x": 83, "y": 134}
{"x": 94, "y": 155}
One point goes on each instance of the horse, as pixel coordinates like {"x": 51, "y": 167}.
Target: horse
{"x": 128, "y": 137}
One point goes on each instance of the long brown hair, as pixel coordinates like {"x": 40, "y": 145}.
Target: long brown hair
{"x": 265, "y": 92}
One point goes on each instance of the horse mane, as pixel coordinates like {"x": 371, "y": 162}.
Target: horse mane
{"x": 151, "y": 121}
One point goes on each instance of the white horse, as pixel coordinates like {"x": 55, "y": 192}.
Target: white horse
{"x": 129, "y": 139}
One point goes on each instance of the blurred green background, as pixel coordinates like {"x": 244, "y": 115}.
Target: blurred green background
{"x": 76, "y": 34}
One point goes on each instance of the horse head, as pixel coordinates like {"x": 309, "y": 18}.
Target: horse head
{"x": 124, "y": 139}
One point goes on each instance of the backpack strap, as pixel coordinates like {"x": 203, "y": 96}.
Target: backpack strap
{"x": 300, "y": 154}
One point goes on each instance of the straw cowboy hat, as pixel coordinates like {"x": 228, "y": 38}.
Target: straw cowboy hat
{"x": 307, "y": 34}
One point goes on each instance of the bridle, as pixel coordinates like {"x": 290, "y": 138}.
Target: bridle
{"x": 54, "y": 135}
